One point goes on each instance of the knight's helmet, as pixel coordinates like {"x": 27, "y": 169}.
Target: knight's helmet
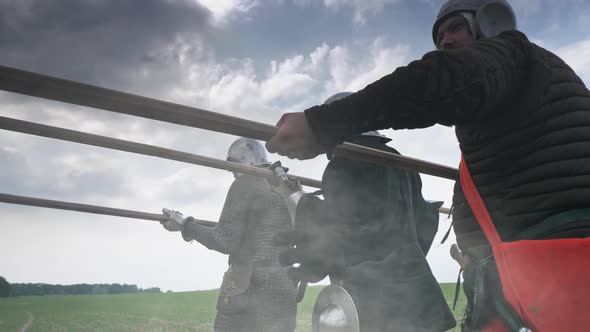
{"x": 341, "y": 95}
{"x": 487, "y": 18}
{"x": 247, "y": 151}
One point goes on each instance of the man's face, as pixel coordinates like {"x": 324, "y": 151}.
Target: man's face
{"x": 454, "y": 32}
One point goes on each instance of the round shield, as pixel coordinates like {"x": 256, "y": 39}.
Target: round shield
{"x": 334, "y": 311}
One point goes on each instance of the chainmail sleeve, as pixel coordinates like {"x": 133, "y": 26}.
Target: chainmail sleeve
{"x": 226, "y": 236}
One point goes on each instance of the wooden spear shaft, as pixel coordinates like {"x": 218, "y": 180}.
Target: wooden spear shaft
{"x": 53, "y": 88}
{"x": 74, "y": 136}
{"x": 43, "y": 86}
{"x": 63, "y": 134}
{"x": 94, "y": 209}
{"x": 86, "y": 208}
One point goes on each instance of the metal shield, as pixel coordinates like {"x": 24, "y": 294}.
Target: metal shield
{"x": 334, "y": 311}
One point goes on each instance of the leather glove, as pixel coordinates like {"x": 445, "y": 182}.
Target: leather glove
{"x": 174, "y": 220}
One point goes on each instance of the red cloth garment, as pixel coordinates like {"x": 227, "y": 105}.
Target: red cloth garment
{"x": 547, "y": 282}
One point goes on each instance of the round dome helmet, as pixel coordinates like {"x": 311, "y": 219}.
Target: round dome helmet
{"x": 247, "y": 151}
{"x": 341, "y": 95}
{"x": 487, "y": 18}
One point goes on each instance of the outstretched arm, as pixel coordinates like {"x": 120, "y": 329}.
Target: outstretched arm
{"x": 226, "y": 236}
{"x": 447, "y": 87}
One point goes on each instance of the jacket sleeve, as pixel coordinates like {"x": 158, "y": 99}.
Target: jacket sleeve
{"x": 447, "y": 87}
{"x": 226, "y": 236}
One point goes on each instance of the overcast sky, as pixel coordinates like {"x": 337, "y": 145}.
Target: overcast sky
{"x": 249, "y": 58}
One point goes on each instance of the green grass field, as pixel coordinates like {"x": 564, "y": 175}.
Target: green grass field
{"x": 188, "y": 311}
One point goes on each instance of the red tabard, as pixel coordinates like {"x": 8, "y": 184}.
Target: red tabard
{"x": 547, "y": 282}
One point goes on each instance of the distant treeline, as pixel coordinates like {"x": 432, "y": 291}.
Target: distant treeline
{"x": 78, "y": 289}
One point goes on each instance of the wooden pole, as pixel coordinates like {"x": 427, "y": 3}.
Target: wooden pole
{"x": 63, "y": 134}
{"x": 53, "y": 88}
{"x": 359, "y": 152}
{"x": 444, "y": 210}
{"x": 43, "y": 86}
{"x": 59, "y": 205}
{"x": 69, "y": 135}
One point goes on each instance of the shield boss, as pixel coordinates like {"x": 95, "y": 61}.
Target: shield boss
{"x": 334, "y": 311}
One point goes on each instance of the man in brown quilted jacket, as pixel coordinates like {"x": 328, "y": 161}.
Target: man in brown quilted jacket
{"x": 521, "y": 116}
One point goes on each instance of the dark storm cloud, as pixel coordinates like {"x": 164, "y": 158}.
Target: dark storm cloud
{"x": 294, "y": 28}
{"x": 108, "y": 42}
{"x": 137, "y": 46}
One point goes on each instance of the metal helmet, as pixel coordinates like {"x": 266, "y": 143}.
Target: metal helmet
{"x": 247, "y": 151}
{"x": 375, "y": 133}
{"x": 491, "y": 17}
{"x": 344, "y": 94}
{"x": 337, "y": 96}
